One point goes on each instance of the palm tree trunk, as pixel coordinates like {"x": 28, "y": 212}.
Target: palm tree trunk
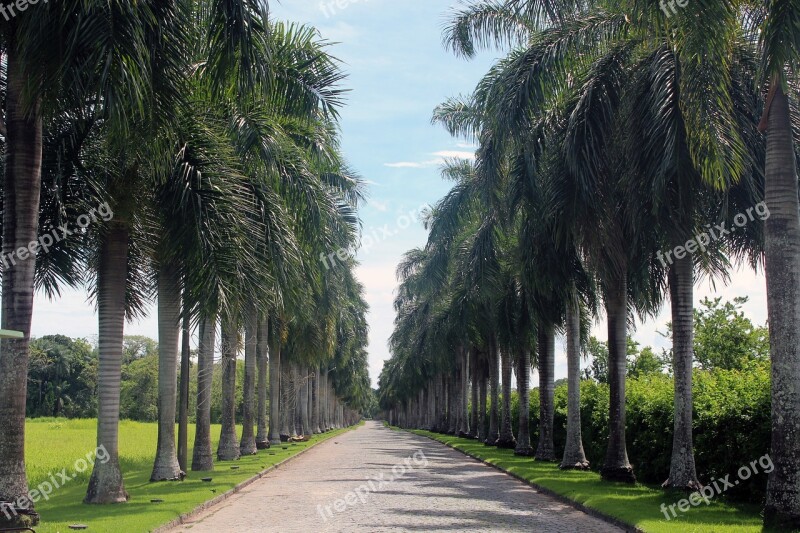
{"x": 247, "y": 445}
{"x": 275, "y": 388}
{"x": 506, "y": 438}
{"x": 545, "y": 449}
{"x": 21, "y": 188}
{"x": 452, "y": 410}
{"x": 494, "y": 414}
{"x": 616, "y": 466}
{"x": 524, "y": 447}
{"x": 574, "y": 455}
{"x": 315, "y": 420}
{"x": 482, "y": 383}
{"x": 783, "y": 302}
{"x": 473, "y": 423}
{"x": 305, "y": 421}
{"x": 228, "y": 447}
{"x": 463, "y": 394}
{"x": 183, "y": 401}
{"x": 202, "y": 456}
{"x": 682, "y": 472}
{"x": 287, "y": 413}
{"x": 262, "y": 358}
{"x": 166, "y": 467}
{"x": 105, "y": 484}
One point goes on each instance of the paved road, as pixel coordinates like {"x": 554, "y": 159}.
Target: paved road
{"x": 374, "y": 479}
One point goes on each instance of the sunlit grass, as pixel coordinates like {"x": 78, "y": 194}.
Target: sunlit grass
{"x": 638, "y": 505}
{"x": 52, "y": 445}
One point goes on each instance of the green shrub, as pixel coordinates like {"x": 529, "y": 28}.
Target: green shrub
{"x": 731, "y": 424}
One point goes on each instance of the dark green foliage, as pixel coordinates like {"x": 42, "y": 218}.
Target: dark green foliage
{"x": 62, "y": 374}
{"x": 731, "y": 424}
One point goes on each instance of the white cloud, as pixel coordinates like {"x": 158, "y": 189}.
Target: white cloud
{"x": 454, "y": 154}
{"x": 379, "y": 205}
{"x": 441, "y": 157}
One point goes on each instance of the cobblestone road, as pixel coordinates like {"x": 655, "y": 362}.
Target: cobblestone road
{"x": 354, "y": 483}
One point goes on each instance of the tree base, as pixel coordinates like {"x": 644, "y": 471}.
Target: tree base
{"x": 263, "y": 445}
{"x": 506, "y": 443}
{"x": 284, "y": 438}
{"x": 691, "y": 486}
{"x": 779, "y": 520}
{"x": 12, "y": 517}
{"x": 524, "y": 451}
{"x": 464, "y": 435}
{"x": 579, "y": 465}
{"x": 622, "y": 474}
{"x": 157, "y": 477}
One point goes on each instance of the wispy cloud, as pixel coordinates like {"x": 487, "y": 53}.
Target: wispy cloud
{"x": 441, "y": 157}
{"x": 379, "y": 205}
{"x": 455, "y": 154}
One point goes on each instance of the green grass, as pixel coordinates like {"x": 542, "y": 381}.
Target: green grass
{"x": 54, "y": 444}
{"x": 639, "y": 505}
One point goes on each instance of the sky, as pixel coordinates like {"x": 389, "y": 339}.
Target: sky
{"x": 398, "y": 71}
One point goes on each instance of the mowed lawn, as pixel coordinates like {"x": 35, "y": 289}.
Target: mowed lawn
{"x": 56, "y": 444}
{"x": 639, "y": 505}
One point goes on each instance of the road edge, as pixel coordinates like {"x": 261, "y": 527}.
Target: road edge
{"x": 630, "y": 528}
{"x": 185, "y": 517}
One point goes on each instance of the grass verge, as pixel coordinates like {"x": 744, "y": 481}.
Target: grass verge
{"x": 638, "y": 505}
{"x": 56, "y": 446}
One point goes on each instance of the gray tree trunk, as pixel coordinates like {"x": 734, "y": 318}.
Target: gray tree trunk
{"x": 463, "y": 394}
{"x": 682, "y": 472}
{"x": 275, "y": 392}
{"x": 315, "y": 410}
{"x": 105, "y": 484}
{"x": 506, "y": 438}
{"x": 545, "y": 449}
{"x": 783, "y": 302}
{"x": 228, "y": 448}
{"x": 287, "y": 412}
{"x": 183, "y": 400}
{"x": 473, "y": 423}
{"x": 262, "y": 360}
{"x": 494, "y": 408}
{"x": 617, "y": 467}
{"x": 524, "y": 447}
{"x": 483, "y": 384}
{"x": 202, "y": 456}
{"x": 247, "y": 445}
{"x": 21, "y": 191}
{"x": 574, "y": 455}
{"x": 166, "y": 466}
{"x": 305, "y": 419}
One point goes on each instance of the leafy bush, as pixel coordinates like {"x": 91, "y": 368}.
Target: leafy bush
{"x": 731, "y": 424}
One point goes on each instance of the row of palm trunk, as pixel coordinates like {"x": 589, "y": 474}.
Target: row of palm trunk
{"x": 455, "y": 402}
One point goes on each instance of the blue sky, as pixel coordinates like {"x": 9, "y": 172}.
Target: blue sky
{"x": 398, "y": 71}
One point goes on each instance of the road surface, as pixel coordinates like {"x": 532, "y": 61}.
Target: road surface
{"x": 374, "y": 479}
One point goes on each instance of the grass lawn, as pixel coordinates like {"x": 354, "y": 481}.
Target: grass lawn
{"x": 639, "y": 504}
{"x": 56, "y": 444}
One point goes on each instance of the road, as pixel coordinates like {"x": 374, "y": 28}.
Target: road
{"x": 374, "y": 479}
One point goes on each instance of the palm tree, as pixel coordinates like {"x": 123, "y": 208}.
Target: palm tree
{"x": 781, "y": 49}
{"x": 202, "y": 456}
{"x": 228, "y": 448}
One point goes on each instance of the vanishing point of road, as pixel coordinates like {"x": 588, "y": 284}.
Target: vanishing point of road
{"x": 374, "y": 479}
